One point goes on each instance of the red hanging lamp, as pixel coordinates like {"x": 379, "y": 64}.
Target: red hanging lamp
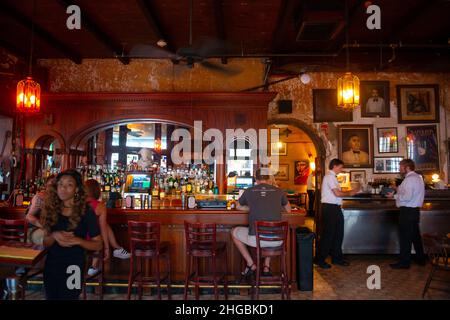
{"x": 29, "y": 91}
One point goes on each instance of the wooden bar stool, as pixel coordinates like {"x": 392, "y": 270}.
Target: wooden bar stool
{"x": 13, "y": 230}
{"x": 271, "y": 241}
{"x": 145, "y": 244}
{"x": 90, "y": 255}
{"x": 201, "y": 243}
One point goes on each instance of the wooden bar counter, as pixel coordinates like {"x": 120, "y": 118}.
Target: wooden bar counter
{"x": 172, "y": 230}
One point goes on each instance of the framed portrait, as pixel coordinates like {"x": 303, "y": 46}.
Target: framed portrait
{"x": 375, "y": 100}
{"x": 278, "y": 149}
{"x": 283, "y": 172}
{"x": 418, "y": 103}
{"x": 356, "y": 145}
{"x": 325, "y": 107}
{"x": 301, "y": 173}
{"x": 423, "y": 147}
{"x": 358, "y": 176}
{"x": 387, "y": 140}
{"x": 387, "y": 164}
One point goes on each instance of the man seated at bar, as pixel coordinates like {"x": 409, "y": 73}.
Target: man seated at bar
{"x": 332, "y": 218}
{"x": 409, "y": 198}
{"x": 265, "y": 203}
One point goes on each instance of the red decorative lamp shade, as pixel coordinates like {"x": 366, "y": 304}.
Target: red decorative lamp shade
{"x": 28, "y": 96}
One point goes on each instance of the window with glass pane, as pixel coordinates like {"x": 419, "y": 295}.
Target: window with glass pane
{"x": 115, "y": 136}
{"x": 164, "y": 136}
{"x": 141, "y": 135}
{"x": 114, "y": 159}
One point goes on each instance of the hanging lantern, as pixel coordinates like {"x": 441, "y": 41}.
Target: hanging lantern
{"x": 348, "y": 92}
{"x": 28, "y": 96}
{"x": 157, "y": 147}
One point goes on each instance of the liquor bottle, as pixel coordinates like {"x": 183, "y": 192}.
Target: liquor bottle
{"x": 155, "y": 191}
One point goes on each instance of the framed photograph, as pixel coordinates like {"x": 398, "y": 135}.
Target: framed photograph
{"x": 283, "y": 172}
{"x": 358, "y": 176}
{"x": 325, "y": 107}
{"x": 375, "y": 100}
{"x": 356, "y": 145}
{"x": 423, "y": 147}
{"x": 387, "y": 164}
{"x": 302, "y": 171}
{"x": 387, "y": 140}
{"x": 343, "y": 179}
{"x": 277, "y": 149}
{"x": 418, "y": 103}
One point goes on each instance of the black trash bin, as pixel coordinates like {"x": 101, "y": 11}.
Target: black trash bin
{"x": 305, "y": 240}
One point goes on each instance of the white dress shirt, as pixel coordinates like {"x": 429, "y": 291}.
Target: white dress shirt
{"x": 411, "y": 191}
{"x": 329, "y": 183}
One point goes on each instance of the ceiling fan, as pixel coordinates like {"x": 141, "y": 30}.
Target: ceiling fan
{"x": 192, "y": 54}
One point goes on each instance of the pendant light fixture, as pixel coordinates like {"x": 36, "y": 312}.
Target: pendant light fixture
{"x": 28, "y": 90}
{"x": 348, "y": 84}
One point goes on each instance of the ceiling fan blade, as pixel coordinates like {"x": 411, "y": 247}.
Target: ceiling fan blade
{"x": 149, "y": 51}
{"x": 224, "y": 69}
{"x": 209, "y": 47}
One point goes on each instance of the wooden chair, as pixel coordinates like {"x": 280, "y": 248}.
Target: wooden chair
{"x": 90, "y": 255}
{"x": 13, "y": 230}
{"x": 145, "y": 244}
{"x": 437, "y": 249}
{"x": 270, "y": 233}
{"x": 201, "y": 243}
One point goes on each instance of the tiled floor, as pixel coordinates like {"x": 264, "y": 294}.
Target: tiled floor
{"x": 339, "y": 283}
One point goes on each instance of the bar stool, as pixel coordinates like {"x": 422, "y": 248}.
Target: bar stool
{"x": 271, "y": 241}
{"x": 98, "y": 275}
{"x": 145, "y": 244}
{"x": 201, "y": 243}
{"x": 13, "y": 230}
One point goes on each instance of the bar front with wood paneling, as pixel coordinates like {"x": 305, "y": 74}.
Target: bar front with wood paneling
{"x": 168, "y": 159}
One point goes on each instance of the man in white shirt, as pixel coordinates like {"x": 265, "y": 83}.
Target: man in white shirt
{"x": 311, "y": 190}
{"x": 409, "y": 198}
{"x": 375, "y": 104}
{"x": 332, "y": 234}
{"x": 355, "y": 155}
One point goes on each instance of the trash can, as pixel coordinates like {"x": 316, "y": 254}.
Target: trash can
{"x": 305, "y": 238}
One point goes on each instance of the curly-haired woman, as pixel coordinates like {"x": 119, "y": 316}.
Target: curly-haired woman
{"x": 70, "y": 228}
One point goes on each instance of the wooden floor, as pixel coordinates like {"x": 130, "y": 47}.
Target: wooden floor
{"x": 339, "y": 283}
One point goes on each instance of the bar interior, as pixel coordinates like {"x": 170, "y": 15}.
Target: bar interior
{"x": 167, "y": 109}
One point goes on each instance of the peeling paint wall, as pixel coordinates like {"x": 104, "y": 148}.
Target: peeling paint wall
{"x": 302, "y": 105}
{"x": 110, "y": 75}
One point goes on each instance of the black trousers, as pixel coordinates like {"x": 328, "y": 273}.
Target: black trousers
{"x": 311, "y": 197}
{"x": 332, "y": 233}
{"x": 55, "y": 280}
{"x": 409, "y": 232}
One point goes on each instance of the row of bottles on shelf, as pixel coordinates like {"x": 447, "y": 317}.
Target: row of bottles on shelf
{"x": 183, "y": 180}
{"x": 110, "y": 179}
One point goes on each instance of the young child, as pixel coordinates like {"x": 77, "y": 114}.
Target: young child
{"x": 93, "y": 193}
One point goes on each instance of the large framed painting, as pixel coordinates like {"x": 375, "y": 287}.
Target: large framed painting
{"x": 302, "y": 171}
{"x": 375, "y": 101}
{"x": 387, "y": 140}
{"x": 356, "y": 145}
{"x": 423, "y": 147}
{"x": 325, "y": 107}
{"x": 418, "y": 103}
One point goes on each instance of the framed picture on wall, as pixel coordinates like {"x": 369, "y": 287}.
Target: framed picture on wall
{"x": 358, "y": 176}
{"x": 423, "y": 147}
{"x": 387, "y": 164}
{"x": 283, "y": 172}
{"x": 324, "y": 107}
{"x": 356, "y": 145}
{"x": 418, "y": 103}
{"x": 387, "y": 140}
{"x": 375, "y": 99}
{"x": 301, "y": 173}
{"x": 278, "y": 149}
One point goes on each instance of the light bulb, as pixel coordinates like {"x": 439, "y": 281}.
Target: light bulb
{"x": 305, "y": 78}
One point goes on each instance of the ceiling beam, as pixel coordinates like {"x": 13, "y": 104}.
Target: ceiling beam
{"x": 19, "y": 53}
{"x": 411, "y": 18}
{"x": 154, "y": 23}
{"x": 220, "y": 20}
{"x": 96, "y": 30}
{"x": 284, "y": 18}
{"x": 40, "y": 32}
